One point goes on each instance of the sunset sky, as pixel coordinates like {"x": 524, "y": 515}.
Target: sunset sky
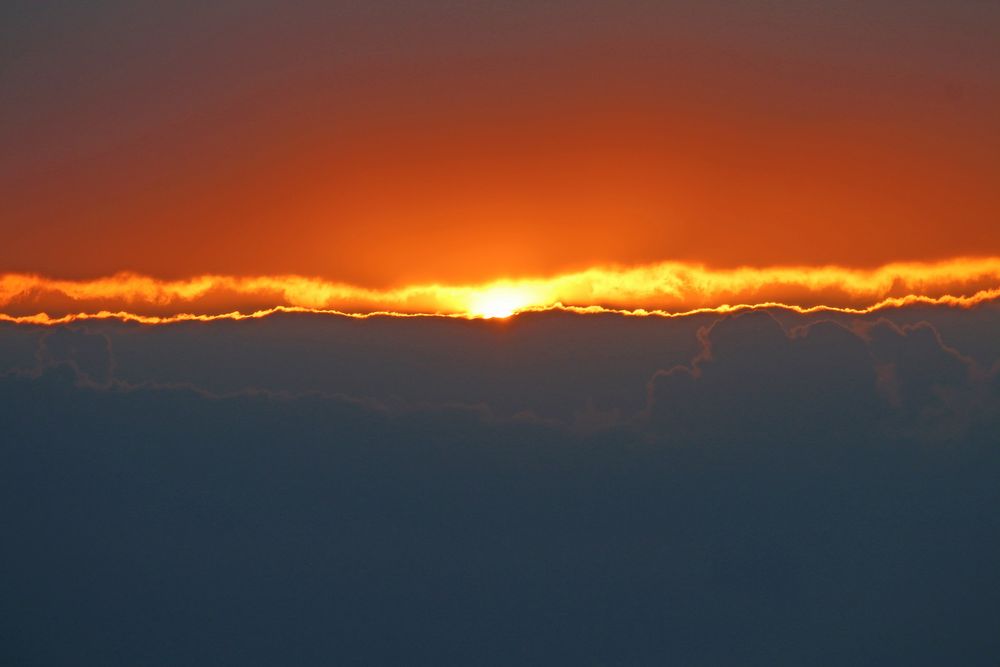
{"x": 500, "y": 332}
{"x": 385, "y": 144}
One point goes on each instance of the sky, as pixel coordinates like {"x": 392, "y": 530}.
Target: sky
{"x": 388, "y": 144}
{"x": 500, "y": 332}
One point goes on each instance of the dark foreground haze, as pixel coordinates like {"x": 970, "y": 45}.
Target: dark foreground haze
{"x": 759, "y": 489}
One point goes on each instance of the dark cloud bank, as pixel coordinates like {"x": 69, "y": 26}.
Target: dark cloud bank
{"x": 761, "y": 489}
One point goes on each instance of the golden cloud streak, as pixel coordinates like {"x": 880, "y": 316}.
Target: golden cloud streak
{"x": 667, "y": 288}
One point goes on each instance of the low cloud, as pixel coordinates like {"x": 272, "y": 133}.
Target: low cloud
{"x": 822, "y": 379}
{"x": 89, "y": 352}
{"x": 777, "y": 497}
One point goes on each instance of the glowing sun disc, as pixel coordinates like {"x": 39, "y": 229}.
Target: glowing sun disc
{"x": 499, "y": 302}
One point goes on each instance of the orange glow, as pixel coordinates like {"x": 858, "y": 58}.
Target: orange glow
{"x": 665, "y": 288}
{"x": 969, "y": 301}
{"x": 519, "y": 151}
{"x": 503, "y": 301}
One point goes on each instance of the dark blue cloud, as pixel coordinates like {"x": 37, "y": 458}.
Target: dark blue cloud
{"x": 89, "y": 352}
{"x": 752, "y": 379}
{"x": 775, "y": 496}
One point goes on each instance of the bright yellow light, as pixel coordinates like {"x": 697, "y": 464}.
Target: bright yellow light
{"x": 499, "y": 302}
{"x": 670, "y": 287}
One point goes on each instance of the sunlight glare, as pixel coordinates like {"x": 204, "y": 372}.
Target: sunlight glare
{"x": 499, "y": 302}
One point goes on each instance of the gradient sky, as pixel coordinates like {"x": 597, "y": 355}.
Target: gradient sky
{"x": 493, "y": 333}
{"x": 386, "y": 143}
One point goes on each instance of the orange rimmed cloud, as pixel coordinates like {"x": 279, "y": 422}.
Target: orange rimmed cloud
{"x": 665, "y": 287}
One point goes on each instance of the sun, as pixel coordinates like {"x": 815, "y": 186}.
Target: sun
{"x": 499, "y": 302}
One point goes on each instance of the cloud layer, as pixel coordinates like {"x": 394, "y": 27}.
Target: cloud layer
{"x": 763, "y": 488}
{"x": 669, "y": 286}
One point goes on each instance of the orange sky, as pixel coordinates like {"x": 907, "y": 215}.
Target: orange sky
{"x": 385, "y": 212}
{"x": 387, "y": 147}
